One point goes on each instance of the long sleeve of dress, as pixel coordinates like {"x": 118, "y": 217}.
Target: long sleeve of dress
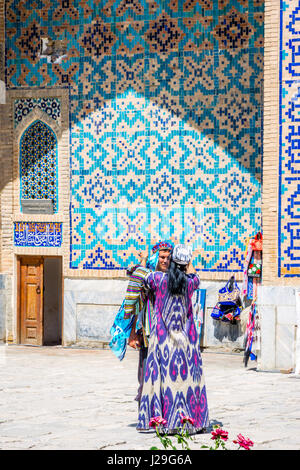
{"x": 193, "y": 281}
{"x": 134, "y": 297}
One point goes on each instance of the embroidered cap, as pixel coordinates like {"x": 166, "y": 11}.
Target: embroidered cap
{"x": 163, "y": 245}
{"x": 182, "y": 254}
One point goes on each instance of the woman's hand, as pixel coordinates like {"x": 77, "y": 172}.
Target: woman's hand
{"x": 143, "y": 256}
{"x": 135, "y": 339}
{"x": 190, "y": 268}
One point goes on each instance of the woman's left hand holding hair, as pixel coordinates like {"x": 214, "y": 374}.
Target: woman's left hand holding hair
{"x": 190, "y": 268}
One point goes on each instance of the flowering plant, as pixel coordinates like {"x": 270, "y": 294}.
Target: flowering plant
{"x": 218, "y": 435}
{"x": 181, "y": 436}
{"x": 243, "y": 442}
{"x": 157, "y": 421}
{"x": 187, "y": 419}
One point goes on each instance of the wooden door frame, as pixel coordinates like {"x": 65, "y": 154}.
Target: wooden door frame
{"x": 18, "y": 335}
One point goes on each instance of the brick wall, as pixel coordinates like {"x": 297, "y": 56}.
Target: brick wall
{"x": 6, "y": 160}
{"x": 2, "y": 40}
{"x": 280, "y": 197}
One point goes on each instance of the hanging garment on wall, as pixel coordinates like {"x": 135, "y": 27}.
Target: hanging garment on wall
{"x": 252, "y": 266}
{"x": 257, "y": 242}
{"x": 198, "y": 309}
{"x": 254, "y": 270}
{"x": 228, "y": 307}
{"x": 250, "y": 287}
{"x": 120, "y": 332}
{"x": 226, "y": 311}
{"x": 255, "y": 264}
{"x": 256, "y": 335}
{"x": 244, "y": 319}
{"x": 249, "y": 353}
{"x": 230, "y": 291}
{"x": 245, "y": 288}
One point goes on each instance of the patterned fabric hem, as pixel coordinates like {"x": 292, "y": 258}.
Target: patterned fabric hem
{"x": 167, "y": 431}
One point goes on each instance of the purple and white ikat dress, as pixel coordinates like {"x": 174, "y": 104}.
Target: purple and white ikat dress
{"x": 173, "y": 383}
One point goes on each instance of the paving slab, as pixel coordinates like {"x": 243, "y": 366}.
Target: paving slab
{"x": 65, "y": 399}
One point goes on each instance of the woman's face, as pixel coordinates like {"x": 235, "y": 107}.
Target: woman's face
{"x": 163, "y": 260}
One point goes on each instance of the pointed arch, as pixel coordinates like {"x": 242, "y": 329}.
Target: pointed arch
{"x": 38, "y": 163}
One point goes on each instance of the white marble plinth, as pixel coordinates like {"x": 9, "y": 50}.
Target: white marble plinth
{"x": 90, "y": 307}
{"x": 278, "y": 320}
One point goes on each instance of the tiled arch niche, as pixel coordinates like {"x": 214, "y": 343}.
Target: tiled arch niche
{"x": 42, "y": 116}
{"x": 38, "y": 164}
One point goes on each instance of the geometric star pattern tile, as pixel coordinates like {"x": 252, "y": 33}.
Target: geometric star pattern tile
{"x": 38, "y": 163}
{"x": 23, "y": 106}
{"x": 165, "y": 121}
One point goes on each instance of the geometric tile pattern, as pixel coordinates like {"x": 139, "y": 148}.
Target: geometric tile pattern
{"x": 289, "y": 151}
{"x": 165, "y": 121}
{"x": 23, "y": 106}
{"x": 38, "y": 234}
{"x": 38, "y": 163}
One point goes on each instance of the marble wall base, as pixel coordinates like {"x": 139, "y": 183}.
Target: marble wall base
{"x": 90, "y": 307}
{"x": 6, "y": 317}
{"x": 278, "y": 320}
{"x": 2, "y": 93}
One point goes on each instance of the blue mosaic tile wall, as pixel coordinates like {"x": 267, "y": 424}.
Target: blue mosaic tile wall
{"x": 289, "y": 149}
{"x": 165, "y": 121}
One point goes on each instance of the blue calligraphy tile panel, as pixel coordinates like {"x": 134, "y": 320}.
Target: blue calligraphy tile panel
{"x": 165, "y": 121}
{"x": 38, "y": 234}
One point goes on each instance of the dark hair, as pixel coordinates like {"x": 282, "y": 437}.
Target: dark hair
{"x": 177, "y": 282}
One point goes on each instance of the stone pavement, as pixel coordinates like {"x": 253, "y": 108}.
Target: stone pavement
{"x": 62, "y": 398}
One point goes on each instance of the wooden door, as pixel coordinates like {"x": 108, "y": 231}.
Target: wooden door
{"x": 31, "y": 300}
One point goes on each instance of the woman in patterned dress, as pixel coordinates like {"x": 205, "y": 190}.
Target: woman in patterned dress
{"x": 173, "y": 382}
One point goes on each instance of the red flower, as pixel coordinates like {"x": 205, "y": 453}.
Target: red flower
{"x": 157, "y": 421}
{"x": 187, "y": 419}
{"x": 218, "y": 432}
{"x": 243, "y": 442}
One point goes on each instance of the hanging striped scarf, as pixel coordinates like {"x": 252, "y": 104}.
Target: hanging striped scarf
{"x": 135, "y": 297}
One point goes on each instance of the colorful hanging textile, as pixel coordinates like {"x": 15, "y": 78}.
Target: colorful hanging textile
{"x": 248, "y": 256}
{"x": 253, "y": 256}
{"x": 120, "y": 332}
{"x": 229, "y": 301}
{"x": 135, "y": 297}
{"x": 249, "y": 334}
{"x": 198, "y": 309}
{"x": 132, "y": 305}
{"x": 256, "y": 335}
